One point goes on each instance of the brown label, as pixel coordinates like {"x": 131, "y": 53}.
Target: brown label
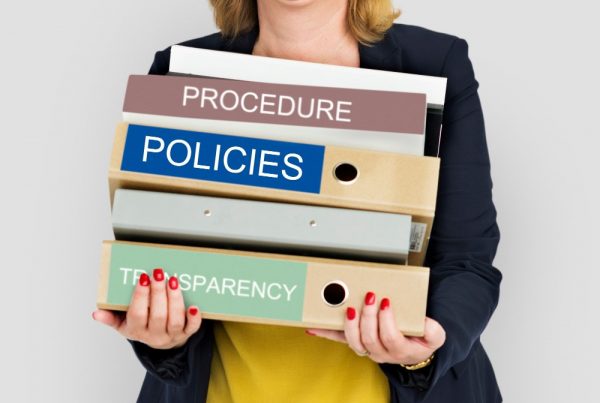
{"x": 245, "y": 101}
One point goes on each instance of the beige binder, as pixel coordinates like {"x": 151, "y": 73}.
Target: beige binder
{"x": 266, "y": 288}
{"x": 350, "y": 178}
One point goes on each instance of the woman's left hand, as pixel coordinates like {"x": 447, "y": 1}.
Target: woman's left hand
{"x": 373, "y": 332}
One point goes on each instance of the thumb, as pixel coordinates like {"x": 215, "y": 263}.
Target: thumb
{"x": 109, "y": 318}
{"x": 435, "y": 335}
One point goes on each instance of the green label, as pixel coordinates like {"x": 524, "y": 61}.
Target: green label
{"x": 218, "y": 284}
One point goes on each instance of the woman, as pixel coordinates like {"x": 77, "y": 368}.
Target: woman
{"x": 371, "y": 361}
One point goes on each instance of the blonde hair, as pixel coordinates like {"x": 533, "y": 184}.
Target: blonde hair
{"x": 368, "y": 19}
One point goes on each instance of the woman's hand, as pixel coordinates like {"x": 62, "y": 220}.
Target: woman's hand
{"x": 373, "y": 332}
{"x": 156, "y": 316}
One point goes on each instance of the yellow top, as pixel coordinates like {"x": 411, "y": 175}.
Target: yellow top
{"x": 263, "y": 363}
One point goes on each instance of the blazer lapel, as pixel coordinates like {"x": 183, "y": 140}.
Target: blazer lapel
{"x": 383, "y": 55}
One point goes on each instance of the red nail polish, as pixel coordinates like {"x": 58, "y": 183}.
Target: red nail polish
{"x": 158, "y": 274}
{"x": 193, "y": 311}
{"x": 173, "y": 283}
{"x": 308, "y": 332}
{"x": 385, "y": 304}
{"x": 350, "y": 313}
{"x": 370, "y": 298}
{"x": 144, "y": 280}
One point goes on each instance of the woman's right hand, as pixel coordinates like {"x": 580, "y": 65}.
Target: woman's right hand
{"x": 156, "y": 315}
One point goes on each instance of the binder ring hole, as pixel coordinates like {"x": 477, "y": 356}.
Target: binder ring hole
{"x": 345, "y": 173}
{"x": 334, "y": 293}
{"x": 207, "y": 213}
{"x": 313, "y": 223}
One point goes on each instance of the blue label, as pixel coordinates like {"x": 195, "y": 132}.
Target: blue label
{"x": 227, "y": 159}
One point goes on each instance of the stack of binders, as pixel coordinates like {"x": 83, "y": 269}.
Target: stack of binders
{"x": 277, "y": 191}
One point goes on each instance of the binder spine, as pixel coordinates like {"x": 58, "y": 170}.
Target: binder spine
{"x": 261, "y": 226}
{"x": 379, "y": 120}
{"x": 265, "y": 288}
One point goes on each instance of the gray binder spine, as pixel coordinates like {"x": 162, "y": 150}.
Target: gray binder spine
{"x": 257, "y": 225}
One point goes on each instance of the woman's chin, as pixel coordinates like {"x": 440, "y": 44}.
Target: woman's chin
{"x": 294, "y": 3}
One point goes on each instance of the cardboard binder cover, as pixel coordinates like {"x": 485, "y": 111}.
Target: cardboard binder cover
{"x": 265, "y": 288}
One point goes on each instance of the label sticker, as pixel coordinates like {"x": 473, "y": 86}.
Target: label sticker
{"x": 221, "y": 158}
{"x": 217, "y": 283}
{"x": 417, "y": 236}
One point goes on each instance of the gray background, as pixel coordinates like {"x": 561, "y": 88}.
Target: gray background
{"x": 64, "y": 67}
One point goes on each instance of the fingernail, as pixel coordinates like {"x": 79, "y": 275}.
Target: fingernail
{"x": 94, "y": 315}
{"x": 144, "y": 280}
{"x": 350, "y": 313}
{"x": 193, "y": 311}
{"x": 385, "y": 304}
{"x": 158, "y": 274}
{"x": 173, "y": 283}
{"x": 370, "y": 298}
{"x": 308, "y": 332}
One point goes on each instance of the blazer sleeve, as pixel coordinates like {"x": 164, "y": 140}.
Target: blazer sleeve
{"x": 464, "y": 286}
{"x": 160, "y": 65}
{"x": 178, "y": 366}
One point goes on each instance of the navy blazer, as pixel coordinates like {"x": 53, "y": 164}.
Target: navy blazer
{"x": 464, "y": 286}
